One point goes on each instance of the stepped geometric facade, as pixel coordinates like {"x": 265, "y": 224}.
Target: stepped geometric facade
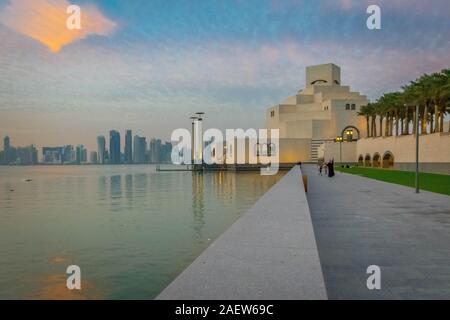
{"x": 322, "y": 111}
{"x": 310, "y": 121}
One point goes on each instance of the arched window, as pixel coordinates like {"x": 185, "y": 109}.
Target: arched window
{"x": 367, "y": 162}
{"x": 361, "y": 160}
{"x": 388, "y": 160}
{"x": 350, "y": 133}
{"x": 376, "y": 160}
{"x": 319, "y": 81}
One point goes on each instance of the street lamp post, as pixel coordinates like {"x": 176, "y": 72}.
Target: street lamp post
{"x": 192, "y": 140}
{"x": 417, "y": 148}
{"x": 349, "y": 134}
{"x": 200, "y": 136}
{"x": 340, "y": 140}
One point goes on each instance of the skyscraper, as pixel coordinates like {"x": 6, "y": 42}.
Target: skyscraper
{"x": 84, "y": 155}
{"x": 128, "y": 147}
{"x": 140, "y": 149}
{"x": 81, "y": 154}
{"x": 26, "y": 155}
{"x": 155, "y": 151}
{"x": 69, "y": 154}
{"x": 53, "y": 155}
{"x": 6, "y": 149}
{"x": 114, "y": 147}
{"x": 93, "y": 157}
{"x": 101, "y": 143}
{"x": 166, "y": 153}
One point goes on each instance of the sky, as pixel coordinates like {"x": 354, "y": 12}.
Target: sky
{"x": 148, "y": 65}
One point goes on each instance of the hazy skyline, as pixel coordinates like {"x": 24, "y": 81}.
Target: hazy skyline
{"x": 148, "y": 65}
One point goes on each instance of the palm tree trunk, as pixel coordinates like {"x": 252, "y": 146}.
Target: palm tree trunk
{"x": 396, "y": 122}
{"x": 441, "y": 120}
{"x": 407, "y": 119}
{"x": 424, "y": 121}
{"x": 414, "y": 121}
{"x": 402, "y": 124}
{"x": 367, "y": 126}
{"x": 431, "y": 119}
{"x": 374, "y": 126}
{"x": 391, "y": 124}
{"x": 436, "y": 118}
{"x": 381, "y": 126}
{"x": 386, "y": 126}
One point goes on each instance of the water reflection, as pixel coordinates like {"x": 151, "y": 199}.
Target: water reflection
{"x": 101, "y": 187}
{"x": 166, "y": 220}
{"x": 141, "y": 183}
{"x": 115, "y": 186}
{"x": 115, "y": 190}
{"x": 198, "y": 205}
{"x": 129, "y": 189}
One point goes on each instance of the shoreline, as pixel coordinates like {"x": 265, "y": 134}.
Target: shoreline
{"x": 270, "y": 252}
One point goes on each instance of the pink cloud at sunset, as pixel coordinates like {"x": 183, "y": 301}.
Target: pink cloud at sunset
{"x": 45, "y": 21}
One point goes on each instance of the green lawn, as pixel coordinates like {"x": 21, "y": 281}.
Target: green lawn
{"x": 438, "y": 183}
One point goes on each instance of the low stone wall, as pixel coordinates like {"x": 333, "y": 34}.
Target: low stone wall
{"x": 270, "y": 253}
{"x": 440, "y": 168}
{"x": 336, "y": 150}
{"x": 294, "y": 150}
{"x": 434, "y": 151}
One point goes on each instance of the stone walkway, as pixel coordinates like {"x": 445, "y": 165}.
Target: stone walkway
{"x": 269, "y": 253}
{"x": 360, "y": 222}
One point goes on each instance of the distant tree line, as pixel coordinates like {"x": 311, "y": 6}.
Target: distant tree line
{"x": 394, "y": 113}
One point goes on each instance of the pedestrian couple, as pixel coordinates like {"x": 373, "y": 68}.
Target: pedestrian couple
{"x": 328, "y": 167}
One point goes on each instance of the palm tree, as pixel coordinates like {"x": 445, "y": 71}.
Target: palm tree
{"x": 411, "y": 100}
{"x": 425, "y": 87}
{"x": 364, "y": 111}
{"x": 431, "y": 93}
{"x": 388, "y": 105}
{"x": 373, "y": 115}
{"x": 384, "y": 111}
{"x": 403, "y": 114}
{"x": 444, "y": 97}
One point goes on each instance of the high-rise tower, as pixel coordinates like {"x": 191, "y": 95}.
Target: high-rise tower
{"x": 114, "y": 147}
{"x": 101, "y": 143}
{"x": 6, "y": 150}
{"x": 128, "y": 147}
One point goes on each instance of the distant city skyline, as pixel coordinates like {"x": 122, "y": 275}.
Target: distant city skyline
{"x": 149, "y": 65}
{"x": 139, "y": 151}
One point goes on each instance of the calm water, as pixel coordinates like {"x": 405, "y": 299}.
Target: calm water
{"x": 130, "y": 229}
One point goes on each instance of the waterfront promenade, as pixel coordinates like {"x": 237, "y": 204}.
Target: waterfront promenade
{"x": 349, "y": 223}
{"x": 269, "y": 253}
{"x": 359, "y": 222}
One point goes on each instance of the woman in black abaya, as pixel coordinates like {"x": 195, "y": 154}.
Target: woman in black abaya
{"x": 330, "y": 166}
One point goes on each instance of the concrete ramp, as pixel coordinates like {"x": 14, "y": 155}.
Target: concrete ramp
{"x": 269, "y": 253}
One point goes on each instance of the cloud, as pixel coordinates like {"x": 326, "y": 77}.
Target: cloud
{"x": 409, "y": 6}
{"x": 45, "y": 21}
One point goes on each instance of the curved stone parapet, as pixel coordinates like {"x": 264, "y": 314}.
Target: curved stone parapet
{"x": 270, "y": 253}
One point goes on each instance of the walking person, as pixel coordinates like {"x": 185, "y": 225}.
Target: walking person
{"x": 320, "y": 166}
{"x": 331, "y": 168}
